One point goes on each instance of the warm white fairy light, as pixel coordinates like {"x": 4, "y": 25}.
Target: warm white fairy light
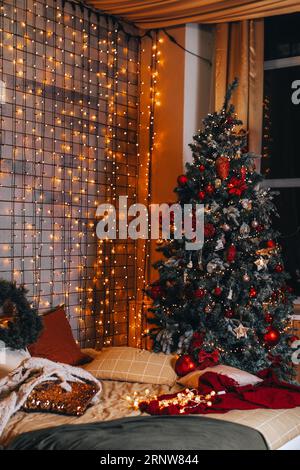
{"x": 185, "y": 400}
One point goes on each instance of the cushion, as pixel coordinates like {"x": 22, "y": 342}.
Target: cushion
{"x": 133, "y": 365}
{"x": 56, "y": 341}
{"x": 241, "y": 377}
{"x": 51, "y": 397}
{"x": 10, "y": 359}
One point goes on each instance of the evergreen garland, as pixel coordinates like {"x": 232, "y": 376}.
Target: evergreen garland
{"x": 24, "y": 327}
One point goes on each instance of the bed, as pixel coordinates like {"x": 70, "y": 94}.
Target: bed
{"x": 279, "y": 428}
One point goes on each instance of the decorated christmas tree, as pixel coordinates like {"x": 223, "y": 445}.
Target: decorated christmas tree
{"x": 228, "y": 302}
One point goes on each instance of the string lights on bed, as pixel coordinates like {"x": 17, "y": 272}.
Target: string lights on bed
{"x": 182, "y": 402}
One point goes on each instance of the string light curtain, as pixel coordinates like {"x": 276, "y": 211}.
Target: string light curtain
{"x": 152, "y": 14}
{"x": 69, "y": 141}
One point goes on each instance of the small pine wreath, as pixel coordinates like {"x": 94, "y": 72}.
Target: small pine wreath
{"x": 23, "y": 324}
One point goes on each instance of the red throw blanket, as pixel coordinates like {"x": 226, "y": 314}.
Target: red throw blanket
{"x": 270, "y": 393}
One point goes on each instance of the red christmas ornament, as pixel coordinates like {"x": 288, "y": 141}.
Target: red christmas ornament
{"x": 274, "y": 295}
{"x": 209, "y": 230}
{"x": 272, "y": 336}
{"x": 199, "y": 293}
{"x": 229, "y": 313}
{"x": 156, "y": 292}
{"x": 268, "y": 318}
{"x": 236, "y": 186}
{"x": 201, "y": 195}
{"x": 229, "y": 120}
{"x": 231, "y": 254}
{"x": 293, "y": 338}
{"x": 182, "y": 180}
{"x": 209, "y": 189}
{"x": 271, "y": 244}
{"x": 222, "y": 167}
{"x": 201, "y": 168}
{"x": 279, "y": 268}
{"x": 217, "y": 291}
{"x": 243, "y": 172}
{"x": 252, "y": 292}
{"x": 260, "y": 228}
{"x": 184, "y": 365}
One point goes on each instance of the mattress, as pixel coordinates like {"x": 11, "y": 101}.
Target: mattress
{"x": 277, "y": 426}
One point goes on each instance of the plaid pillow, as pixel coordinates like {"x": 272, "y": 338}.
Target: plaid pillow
{"x": 133, "y": 365}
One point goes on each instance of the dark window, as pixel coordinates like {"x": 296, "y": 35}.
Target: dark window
{"x": 281, "y": 132}
{"x": 282, "y": 36}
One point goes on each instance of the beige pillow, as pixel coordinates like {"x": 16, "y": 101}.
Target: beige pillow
{"x": 133, "y": 365}
{"x": 241, "y": 377}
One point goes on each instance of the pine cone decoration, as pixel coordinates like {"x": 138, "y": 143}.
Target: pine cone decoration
{"x": 222, "y": 167}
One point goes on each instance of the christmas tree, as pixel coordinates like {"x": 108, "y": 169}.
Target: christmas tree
{"x": 228, "y": 302}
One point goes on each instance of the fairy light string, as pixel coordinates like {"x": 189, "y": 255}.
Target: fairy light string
{"x": 70, "y": 141}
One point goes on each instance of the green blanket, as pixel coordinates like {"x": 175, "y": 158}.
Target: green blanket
{"x": 145, "y": 433}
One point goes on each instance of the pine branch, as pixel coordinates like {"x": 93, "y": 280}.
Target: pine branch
{"x": 231, "y": 87}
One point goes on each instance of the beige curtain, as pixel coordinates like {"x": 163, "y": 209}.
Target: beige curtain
{"x": 239, "y": 53}
{"x": 162, "y": 13}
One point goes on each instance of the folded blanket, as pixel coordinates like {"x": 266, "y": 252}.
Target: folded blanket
{"x": 270, "y": 393}
{"x": 17, "y": 386}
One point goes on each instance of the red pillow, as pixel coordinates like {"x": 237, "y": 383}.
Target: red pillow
{"x": 56, "y": 341}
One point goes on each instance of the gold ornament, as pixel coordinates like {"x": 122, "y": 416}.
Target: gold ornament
{"x": 218, "y": 183}
{"x": 266, "y": 251}
{"x": 222, "y": 167}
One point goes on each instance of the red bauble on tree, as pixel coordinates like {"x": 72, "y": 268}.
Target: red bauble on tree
{"x": 229, "y": 120}
{"x": 229, "y": 313}
{"x": 243, "y": 172}
{"x": 272, "y": 336}
{"x": 279, "y": 268}
{"x": 217, "y": 291}
{"x": 182, "y": 180}
{"x": 231, "y": 254}
{"x": 222, "y": 167}
{"x": 271, "y": 244}
{"x": 156, "y": 292}
{"x": 201, "y": 195}
{"x": 209, "y": 230}
{"x": 268, "y": 318}
{"x": 209, "y": 188}
{"x": 185, "y": 364}
{"x": 252, "y": 292}
{"x": 201, "y": 168}
{"x": 260, "y": 228}
{"x": 199, "y": 293}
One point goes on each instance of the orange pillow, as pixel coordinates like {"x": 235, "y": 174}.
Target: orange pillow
{"x": 56, "y": 341}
